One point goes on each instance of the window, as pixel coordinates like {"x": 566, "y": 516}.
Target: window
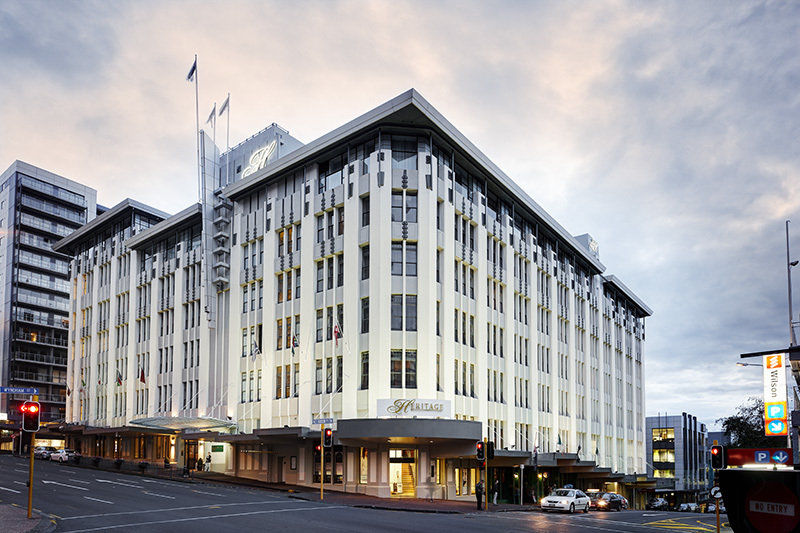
{"x": 365, "y": 211}
{"x": 339, "y": 372}
{"x": 287, "y": 381}
{"x": 280, "y": 288}
{"x": 340, "y": 318}
{"x": 258, "y": 387}
{"x": 340, "y": 270}
{"x": 318, "y": 376}
{"x": 411, "y": 369}
{"x": 244, "y": 299}
{"x": 244, "y": 345}
{"x": 288, "y": 332}
{"x": 411, "y": 312}
{"x": 320, "y": 228}
{"x": 242, "y": 399}
{"x": 340, "y": 220}
{"x": 320, "y": 276}
{"x": 364, "y": 370}
{"x": 281, "y": 237}
{"x": 397, "y": 259}
{"x": 297, "y": 284}
{"x": 330, "y": 272}
{"x": 330, "y": 225}
{"x": 288, "y": 285}
{"x": 319, "y": 325}
{"x": 411, "y": 207}
{"x": 260, "y": 294}
{"x": 329, "y": 329}
{"x": 288, "y": 243}
{"x": 278, "y": 381}
{"x": 404, "y": 153}
{"x": 397, "y": 207}
{"x": 411, "y": 259}
{"x": 397, "y": 312}
{"x": 396, "y": 367}
{"x": 365, "y": 315}
{"x": 296, "y": 379}
{"x": 329, "y": 375}
{"x": 280, "y": 334}
{"x": 365, "y": 262}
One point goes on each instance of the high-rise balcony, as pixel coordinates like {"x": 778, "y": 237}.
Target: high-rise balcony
{"x": 38, "y": 377}
{"x": 42, "y": 358}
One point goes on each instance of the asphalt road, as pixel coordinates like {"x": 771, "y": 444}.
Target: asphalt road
{"x": 81, "y": 499}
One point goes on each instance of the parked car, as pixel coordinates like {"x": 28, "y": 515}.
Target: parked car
{"x": 594, "y": 497}
{"x": 658, "y": 504}
{"x": 62, "y": 456}
{"x": 569, "y": 500}
{"x": 688, "y": 507}
{"x": 610, "y": 501}
{"x": 43, "y": 452}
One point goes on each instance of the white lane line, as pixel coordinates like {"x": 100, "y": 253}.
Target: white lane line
{"x": 118, "y": 483}
{"x": 63, "y": 485}
{"x": 21, "y": 483}
{"x": 206, "y": 506}
{"x": 174, "y": 520}
{"x": 160, "y": 495}
{"x": 9, "y": 490}
{"x": 97, "y": 500}
{"x": 18, "y": 470}
{"x": 201, "y": 492}
{"x": 157, "y": 482}
{"x": 80, "y": 481}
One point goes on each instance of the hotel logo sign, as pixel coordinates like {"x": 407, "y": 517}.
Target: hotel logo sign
{"x": 414, "y": 408}
{"x": 259, "y": 159}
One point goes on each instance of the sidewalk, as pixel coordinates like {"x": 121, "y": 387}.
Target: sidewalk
{"x": 15, "y": 520}
{"x": 361, "y": 500}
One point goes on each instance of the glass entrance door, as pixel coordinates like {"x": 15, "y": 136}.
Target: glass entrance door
{"x": 402, "y": 472}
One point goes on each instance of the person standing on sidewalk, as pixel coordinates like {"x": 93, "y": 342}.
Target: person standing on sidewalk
{"x": 496, "y": 490}
{"x": 479, "y": 493}
{"x": 208, "y": 462}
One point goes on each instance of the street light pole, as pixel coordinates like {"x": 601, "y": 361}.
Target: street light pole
{"x": 789, "y": 265}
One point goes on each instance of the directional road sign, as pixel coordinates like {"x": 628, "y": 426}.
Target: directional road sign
{"x": 780, "y": 457}
{"x": 19, "y": 390}
{"x": 716, "y": 492}
{"x": 322, "y": 421}
{"x": 763, "y": 456}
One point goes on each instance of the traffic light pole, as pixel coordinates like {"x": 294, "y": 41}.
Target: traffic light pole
{"x": 321, "y": 461}
{"x": 486, "y": 471}
{"x": 30, "y": 476}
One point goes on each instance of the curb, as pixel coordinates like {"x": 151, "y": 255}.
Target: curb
{"x": 404, "y": 510}
{"x": 130, "y": 473}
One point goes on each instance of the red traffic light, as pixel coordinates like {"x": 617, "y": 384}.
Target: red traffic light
{"x": 33, "y": 409}
{"x": 714, "y": 450}
{"x": 479, "y": 445}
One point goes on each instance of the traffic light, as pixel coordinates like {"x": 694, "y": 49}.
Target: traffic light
{"x": 327, "y": 438}
{"x": 718, "y": 457}
{"x": 318, "y": 448}
{"x": 490, "y": 449}
{"x": 30, "y": 416}
{"x": 479, "y": 451}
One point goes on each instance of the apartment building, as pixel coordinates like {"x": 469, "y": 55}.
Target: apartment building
{"x": 387, "y": 276}
{"x": 677, "y": 457}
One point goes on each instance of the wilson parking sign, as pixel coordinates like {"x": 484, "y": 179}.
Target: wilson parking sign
{"x": 776, "y": 412}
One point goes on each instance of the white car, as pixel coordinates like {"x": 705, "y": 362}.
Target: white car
{"x": 63, "y": 456}
{"x": 569, "y": 500}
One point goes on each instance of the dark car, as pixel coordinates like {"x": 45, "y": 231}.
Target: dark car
{"x": 594, "y": 497}
{"x": 610, "y": 502}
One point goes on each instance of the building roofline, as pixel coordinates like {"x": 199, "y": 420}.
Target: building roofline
{"x": 97, "y": 222}
{"x": 410, "y": 98}
{"x": 39, "y": 172}
{"x": 155, "y": 230}
{"x": 615, "y": 281}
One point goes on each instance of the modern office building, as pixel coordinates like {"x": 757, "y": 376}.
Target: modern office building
{"x": 37, "y": 208}
{"x": 677, "y": 457}
{"x": 387, "y": 276}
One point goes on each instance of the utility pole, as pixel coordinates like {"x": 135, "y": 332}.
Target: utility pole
{"x": 789, "y": 265}
{"x": 321, "y": 461}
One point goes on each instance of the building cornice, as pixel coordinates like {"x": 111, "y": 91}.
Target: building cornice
{"x": 156, "y": 230}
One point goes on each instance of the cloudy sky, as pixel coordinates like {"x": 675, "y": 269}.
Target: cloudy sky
{"x": 669, "y": 131}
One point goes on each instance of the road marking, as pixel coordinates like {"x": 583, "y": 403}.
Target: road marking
{"x": 610, "y": 521}
{"x": 63, "y": 485}
{"x": 174, "y": 520}
{"x": 160, "y": 495}
{"x": 157, "y": 482}
{"x": 209, "y": 493}
{"x": 97, "y": 500}
{"x": 674, "y": 524}
{"x": 80, "y": 481}
{"x": 21, "y": 483}
{"x": 9, "y": 490}
{"x": 118, "y": 483}
{"x": 176, "y": 509}
{"x": 17, "y": 470}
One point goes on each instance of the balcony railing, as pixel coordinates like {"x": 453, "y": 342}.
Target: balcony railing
{"x": 52, "y": 190}
{"x": 55, "y": 322}
{"x": 40, "y": 339}
{"x": 32, "y": 357}
{"x": 38, "y": 377}
{"x": 665, "y": 444}
{"x": 47, "y": 207}
{"x": 29, "y": 259}
{"x": 61, "y": 305}
{"x": 45, "y": 225}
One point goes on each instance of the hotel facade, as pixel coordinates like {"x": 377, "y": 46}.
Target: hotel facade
{"x": 387, "y": 276}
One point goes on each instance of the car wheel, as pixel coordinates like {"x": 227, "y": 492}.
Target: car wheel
{"x": 572, "y": 508}
{"x": 586, "y": 509}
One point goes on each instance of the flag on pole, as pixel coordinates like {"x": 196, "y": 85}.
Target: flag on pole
{"x": 119, "y": 378}
{"x": 224, "y": 105}
{"x": 192, "y": 70}
{"x": 336, "y": 333}
{"x": 83, "y": 385}
{"x": 294, "y": 344}
{"x": 69, "y": 391}
{"x": 213, "y": 114}
{"x": 255, "y": 350}
{"x": 99, "y": 381}
{"x": 141, "y": 375}
{"x": 559, "y": 440}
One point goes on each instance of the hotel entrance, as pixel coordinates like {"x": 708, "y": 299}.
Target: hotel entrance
{"x": 403, "y": 472}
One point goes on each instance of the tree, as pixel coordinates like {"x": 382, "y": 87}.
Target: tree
{"x": 746, "y": 427}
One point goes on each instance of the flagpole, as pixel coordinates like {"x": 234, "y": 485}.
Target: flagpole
{"x": 197, "y": 124}
{"x": 228, "y": 141}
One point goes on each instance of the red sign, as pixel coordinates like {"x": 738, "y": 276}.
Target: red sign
{"x": 758, "y": 456}
{"x": 771, "y": 506}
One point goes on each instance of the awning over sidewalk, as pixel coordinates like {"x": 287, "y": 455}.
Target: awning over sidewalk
{"x": 408, "y": 430}
{"x": 126, "y": 431}
{"x": 182, "y": 422}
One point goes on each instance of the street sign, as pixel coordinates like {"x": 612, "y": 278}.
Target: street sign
{"x": 760, "y": 456}
{"x": 19, "y": 390}
{"x": 776, "y": 412}
{"x": 776, "y": 428}
{"x": 772, "y": 506}
{"x": 322, "y": 420}
{"x": 716, "y": 492}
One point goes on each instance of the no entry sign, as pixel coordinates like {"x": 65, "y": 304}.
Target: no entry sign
{"x": 772, "y": 506}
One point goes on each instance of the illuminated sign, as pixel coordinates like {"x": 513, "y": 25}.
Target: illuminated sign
{"x": 259, "y": 159}
{"x": 776, "y": 412}
{"x": 413, "y": 408}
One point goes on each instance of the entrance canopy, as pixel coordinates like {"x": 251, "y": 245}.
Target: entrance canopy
{"x": 408, "y": 431}
{"x": 182, "y": 422}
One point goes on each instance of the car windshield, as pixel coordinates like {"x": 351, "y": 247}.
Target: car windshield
{"x": 607, "y": 496}
{"x": 67, "y": 450}
{"x": 563, "y": 492}
{"x": 596, "y": 495}
{"x": 49, "y": 448}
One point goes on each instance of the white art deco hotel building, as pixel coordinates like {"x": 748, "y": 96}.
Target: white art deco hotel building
{"x": 386, "y": 275}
